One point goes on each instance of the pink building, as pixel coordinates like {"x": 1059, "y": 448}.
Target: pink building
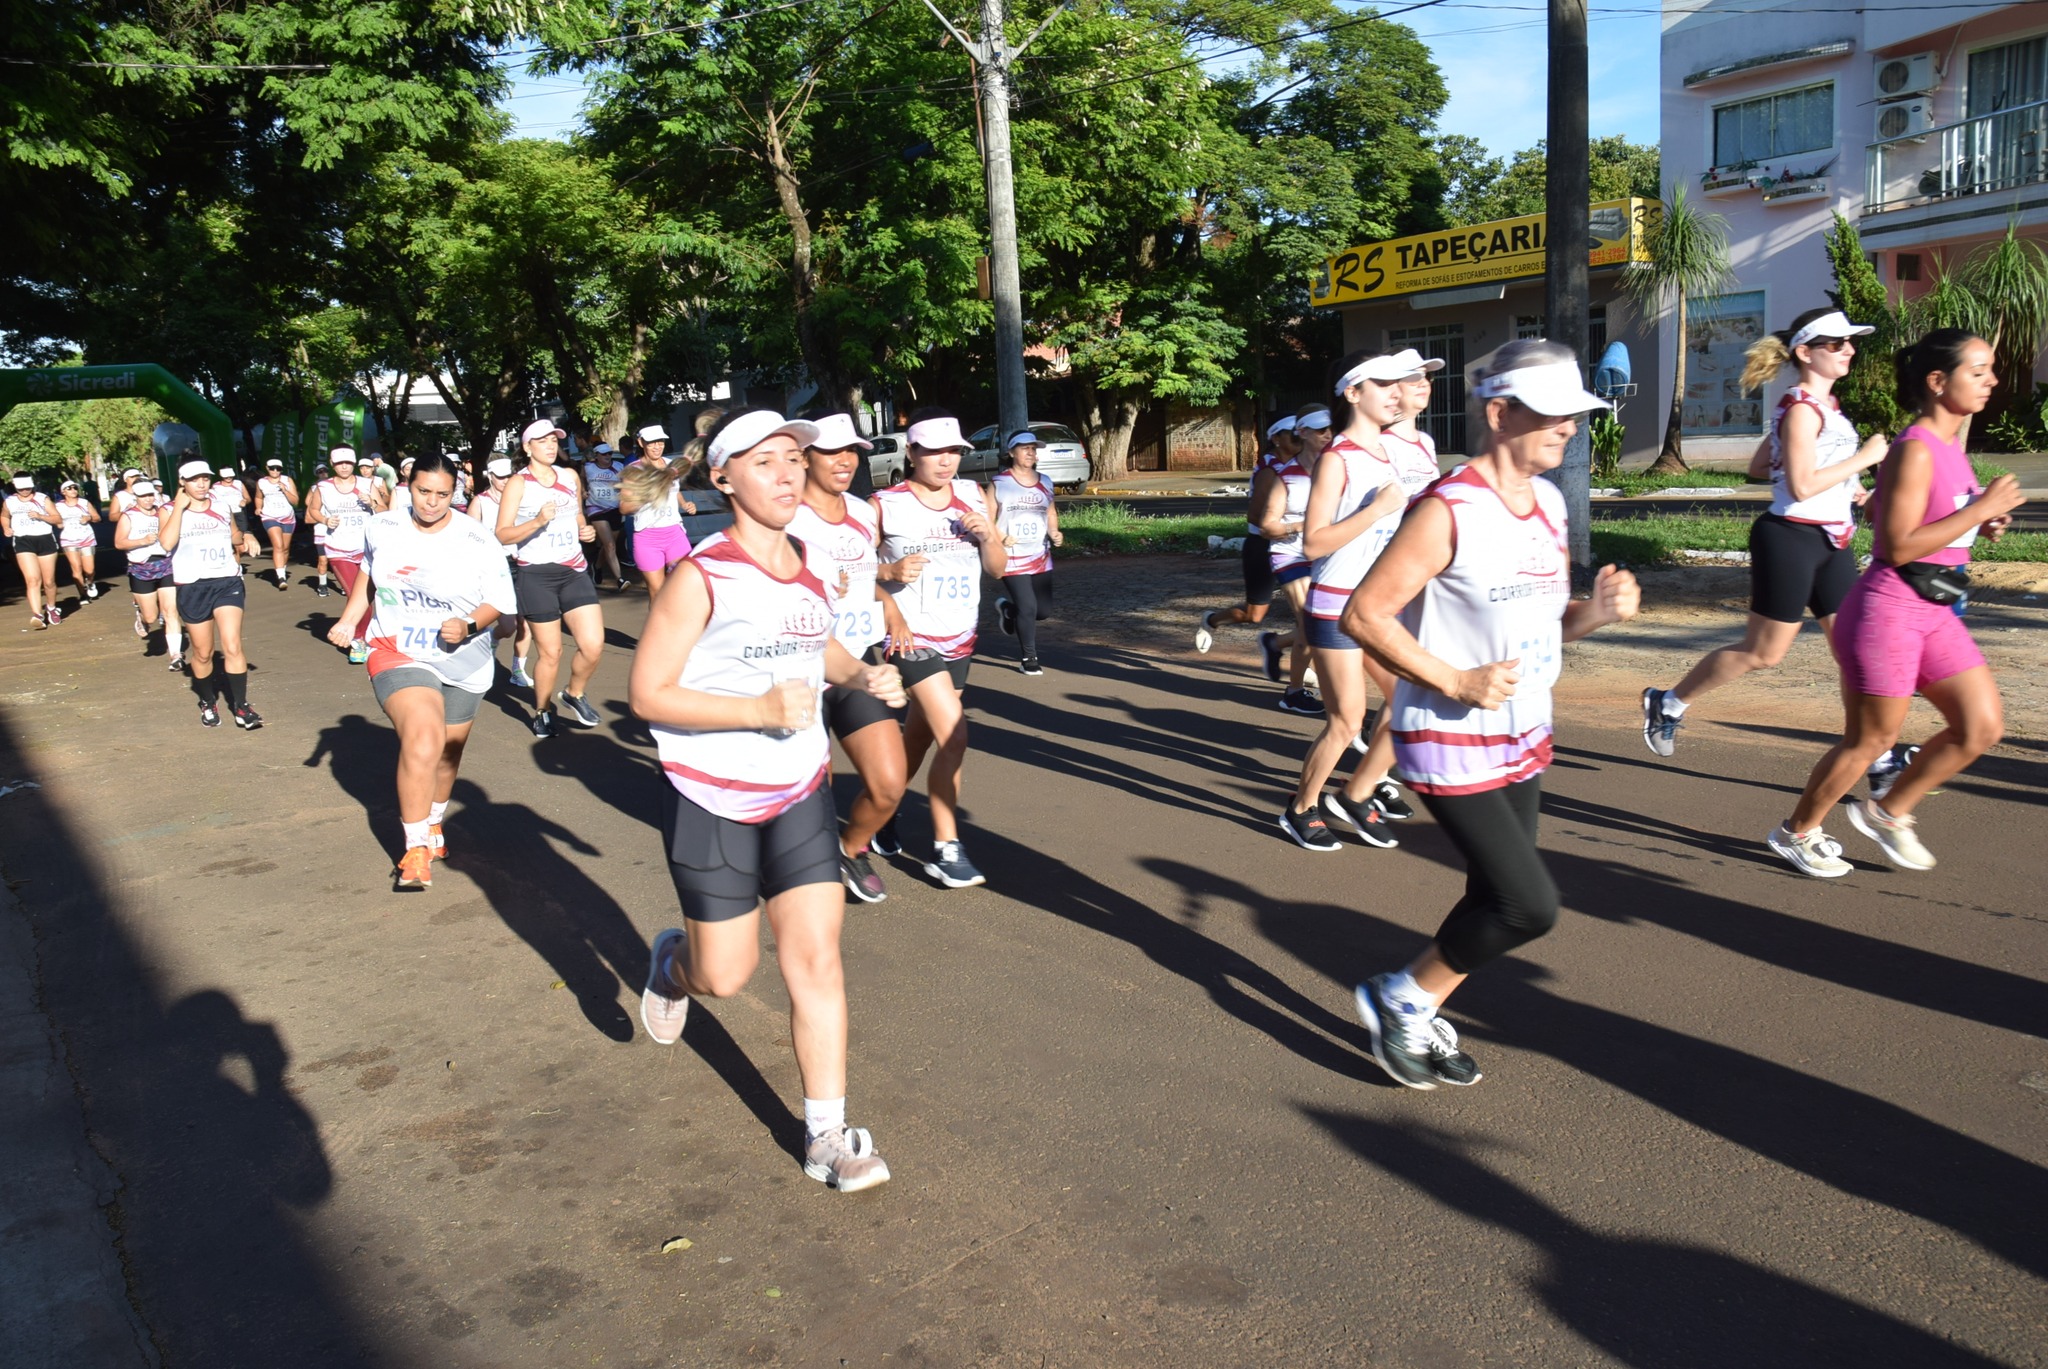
{"x": 1927, "y": 128}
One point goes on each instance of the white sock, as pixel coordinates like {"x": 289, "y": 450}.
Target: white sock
{"x": 822, "y": 1115}
{"x": 175, "y": 640}
{"x": 436, "y": 812}
{"x": 415, "y": 834}
{"x": 1674, "y": 707}
{"x": 1404, "y": 993}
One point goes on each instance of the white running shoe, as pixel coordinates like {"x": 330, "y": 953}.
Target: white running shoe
{"x": 1810, "y": 853}
{"x": 661, "y": 1015}
{"x": 1205, "y": 635}
{"x": 844, "y": 1158}
{"x": 1902, "y": 846}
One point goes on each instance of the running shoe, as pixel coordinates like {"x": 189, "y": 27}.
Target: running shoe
{"x": 320, "y": 588}
{"x": 54, "y": 614}
{"x": 436, "y": 843}
{"x": 1006, "y": 615}
{"x": 1269, "y": 650}
{"x": 35, "y": 620}
{"x": 246, "y": 718}
{"x": 581, "y": 714}
{"x": 92, "y": 592}
{"x": 1449, "y": 1064}
{"x": 1205, "y": 635}
{"x": 1387, "y": 801}
{"x": 543, "y": 724}
{"x": 1365, "y": 819}
{"x": 1901, "y": 843}
{"x": 1403, "y": 1042}
{"x": 1302, "y": 702}
{"x": 885, "y": 841}
{"x": 141, "y": 629}
{"x": 1308, "y": 830}
{"x": 1811, "y": 853}
{"x": 519, "y": 676}
{"x": 209, "y": 716}
{"x": 358, "y": 652}
{"x": 415, "y": 869}
{"x": 858, "y": 874}
{"x": 1660, "y": 729}
{"x": 844, "y": 1158}
{"x": 177, "y": 663}
{"x": 1030, "y": 666}
{"x": 284, "y": 582}
{"x": 661, "y": 1014}
{"x": 1886, "y": 769}
{"x": 950, "y": 866}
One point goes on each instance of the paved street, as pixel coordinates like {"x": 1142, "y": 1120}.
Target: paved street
{"x": 1731, "y": 1117}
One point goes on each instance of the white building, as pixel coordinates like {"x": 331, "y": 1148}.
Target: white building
{"x": 1926, "y": 127}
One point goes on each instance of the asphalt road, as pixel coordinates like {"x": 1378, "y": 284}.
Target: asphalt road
{"x": 1731, "y": 1117}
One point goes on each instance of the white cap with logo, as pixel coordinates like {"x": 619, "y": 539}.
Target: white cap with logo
{"x": 1831, "y": 325}
{"x": 653, "y": 432}
{"x": 1553, "y": 389}
{"x": 749, "y": 431}
{"x": 836, "y": 433}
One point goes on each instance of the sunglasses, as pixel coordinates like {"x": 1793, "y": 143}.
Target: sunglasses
{"x": 1829, "y": 344}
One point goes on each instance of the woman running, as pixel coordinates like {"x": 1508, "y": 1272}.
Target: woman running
{"x": 230, "y": 486}
{"x": 1799, "y": 556}
{"x": 198, "y": 530}
{"x": 345, "y": 503}
{"x": 320, "y": 568}
{"x": 401, "y": 489}
{"x": 433, "y": 586}
{"x": 1280, "y": 518}
{"x": 541, "y": 514}
{"x": 1470, "y": 606}
{"x": 1030, "y": 529}
{"x": 124, "y": 498}
{"x": 1897, "y": 632}
{"x": 1356, "y": 497}
{"x": 484, "y": 509}
{"x": 149, "y": 572}
{"x": 1257, "y": 553}
{"x": 601, "y": 506}
{"x": 30, "y": 521}
{"x": 651, "y": 491}
{"x": 76, "y": 538}
{"x": 840, "y": 533}
{"x": 277, "y": 505}
{"x": 727, "y": 677}
{"x": 938, "y": 537}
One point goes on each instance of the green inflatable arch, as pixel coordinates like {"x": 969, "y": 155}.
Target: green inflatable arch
{"x": 140, "y": 381}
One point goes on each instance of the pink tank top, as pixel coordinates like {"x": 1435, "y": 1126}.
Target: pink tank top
{"x": 1954, "y": 484}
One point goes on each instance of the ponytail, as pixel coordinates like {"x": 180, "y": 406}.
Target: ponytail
{"x": 1765, "y": 358}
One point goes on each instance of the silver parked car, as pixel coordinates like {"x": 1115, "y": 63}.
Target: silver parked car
{"x": 889, "y": 462}
{"x": 1061, "y": 457}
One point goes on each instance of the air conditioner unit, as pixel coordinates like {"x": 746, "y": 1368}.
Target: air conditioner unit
{"x": 1908, "y": 119}
{"x": 1911, "y": 75}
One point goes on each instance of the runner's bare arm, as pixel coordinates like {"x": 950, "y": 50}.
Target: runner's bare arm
{"x": 674, "y": 624}
{"x": 1271, "y": 510}
{"x": 1616, "y": 597}
{"x": 353, "y": 612}
{"x": 1420, "y": 551}
{"x": 842, "y": 667}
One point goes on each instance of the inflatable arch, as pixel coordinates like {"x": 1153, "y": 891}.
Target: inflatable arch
{"x": 36, "y": 385}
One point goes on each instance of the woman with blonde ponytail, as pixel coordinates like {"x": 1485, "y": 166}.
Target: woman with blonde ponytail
{"x": 1799, "y": 557}
{"x": 648, "y": 494}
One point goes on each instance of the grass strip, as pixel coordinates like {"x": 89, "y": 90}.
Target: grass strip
{"x": 1634, "y": 484}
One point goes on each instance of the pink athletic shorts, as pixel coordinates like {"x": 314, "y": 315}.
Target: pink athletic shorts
{"x": 1891, "y": 643}
{"x": 660, "y": 548}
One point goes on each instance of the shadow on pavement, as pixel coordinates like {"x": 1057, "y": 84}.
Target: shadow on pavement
{"x": 1647, "y": 1302}
{"x": 187, "y": 1102}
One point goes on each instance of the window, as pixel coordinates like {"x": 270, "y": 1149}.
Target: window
{"x": 1772, "y": 126}
{"x": 1444, "y": 419}
{"x": 1908, "y": 265}
{"x": 1717, "y": 332}
{"x": 1531, "y": 325}
{"x": 2008, "y": 76}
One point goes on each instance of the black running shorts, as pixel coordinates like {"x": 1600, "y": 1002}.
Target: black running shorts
{"x": 922, "y": 666}
{"x": 198, "y": 601}
{"x": 1258, "y": 570}
{"x": 849, "y": 708}
{"x": 724, "y": 869}
{"x": 35, "y": 544}
{"x": 1795, "y": 569}
{"x": 546, "y": 592}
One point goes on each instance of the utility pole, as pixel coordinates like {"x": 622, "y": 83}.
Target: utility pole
{"x": 993, "y": 56}
{"x": 1568, "y": 199}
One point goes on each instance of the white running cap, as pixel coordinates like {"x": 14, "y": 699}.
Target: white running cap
{"x": 653, "y": 432}
{"x": 500, "y": 467}
{"x": 341, "y": 454}
{"x": 1280, "y": 425}
{"x": 1835, "y": 324}
{"x": 1026, "y": 438}
{"x": 1384, "y": 369}
{"x": 836, "y": 433}
{"x": 1317, "y": 418}
{"x": 142, "y": 487}
{"x": 1416, "y": 361}
{"x": 132, "y": 470}
{"x": 68, "y": 485}
{"x": 402, "y": 465}
{"x": 939, "y": 434}
{"x": 749, "y": 431}
{"x": 273, "y": 464}
{"x": 227, "y": 472}
{"x": 195, "y": 468}
{"x": 1553, "y": 389}
{"x": 24, "y": 482}
{"x": 539, "y": 428}
{"x": 602, "y": 449}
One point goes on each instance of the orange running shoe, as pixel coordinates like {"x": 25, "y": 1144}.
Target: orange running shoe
{"x": 416, "y": 868}
{"x": 437, "y": 843}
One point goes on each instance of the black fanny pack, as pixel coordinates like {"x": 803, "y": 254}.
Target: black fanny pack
{"x": 1935, "y": 582}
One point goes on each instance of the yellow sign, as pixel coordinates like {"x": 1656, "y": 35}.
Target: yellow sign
{"x": 1506, "y": 249}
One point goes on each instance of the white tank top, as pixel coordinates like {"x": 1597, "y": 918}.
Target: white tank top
{"x": 1834, "y": 508}
{"x": 1502, "y": 598}
{"x": 274, "y": 505}
{"x": 846, "y": 547}
{"x": 1266, "y": 462}
{"x": 206, "y": 543}
{"x": 73, "y": 516}
{"x": 232, "y": 492}
{"x": 485, "y": 509}
{"x": 1021, "y": 518}
{"x": 555, "y": 544}
{"x": 762, "y": 631}
{"x": 352, "y": 506}
{"x": 29, "y": 518}
{"x": 121, "y": 502}
{"x": 600, "y": 487}
{"x": 1294, "y": 477}
{"x": 1413, "y": 467}
{"x": 664, "y": 512}
{"x": 138, "y": 522}
{"x": 943, "y": 604}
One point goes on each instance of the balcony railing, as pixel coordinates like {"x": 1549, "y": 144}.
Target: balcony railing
{"x": 1999, "y": 151}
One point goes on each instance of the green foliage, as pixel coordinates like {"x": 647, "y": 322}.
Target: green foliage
{"x": 1607, "y": 434}
{"x": 72, "y": 437}
{"x": 1869, "y": 394}
{"x": 1483, "y": 188}
{"x": 1117, "y": 528}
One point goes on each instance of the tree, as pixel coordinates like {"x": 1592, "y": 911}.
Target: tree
{"x": 1688, "y": 258}
{"x": 1485, "y": 190}
{"x": 1869, "y": 394}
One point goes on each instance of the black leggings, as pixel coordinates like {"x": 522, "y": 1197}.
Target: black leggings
{"x": 1032, "y": 595}
{"x": 1509, "y": 899}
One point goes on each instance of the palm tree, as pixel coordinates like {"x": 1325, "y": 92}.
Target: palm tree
{"x": 1688, "y": 251}
{"x": 2009, "y": 280}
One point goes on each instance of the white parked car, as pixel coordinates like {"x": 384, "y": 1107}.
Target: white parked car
{"x": 889, "y": 462}
{"x": 1061, "y": 457}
